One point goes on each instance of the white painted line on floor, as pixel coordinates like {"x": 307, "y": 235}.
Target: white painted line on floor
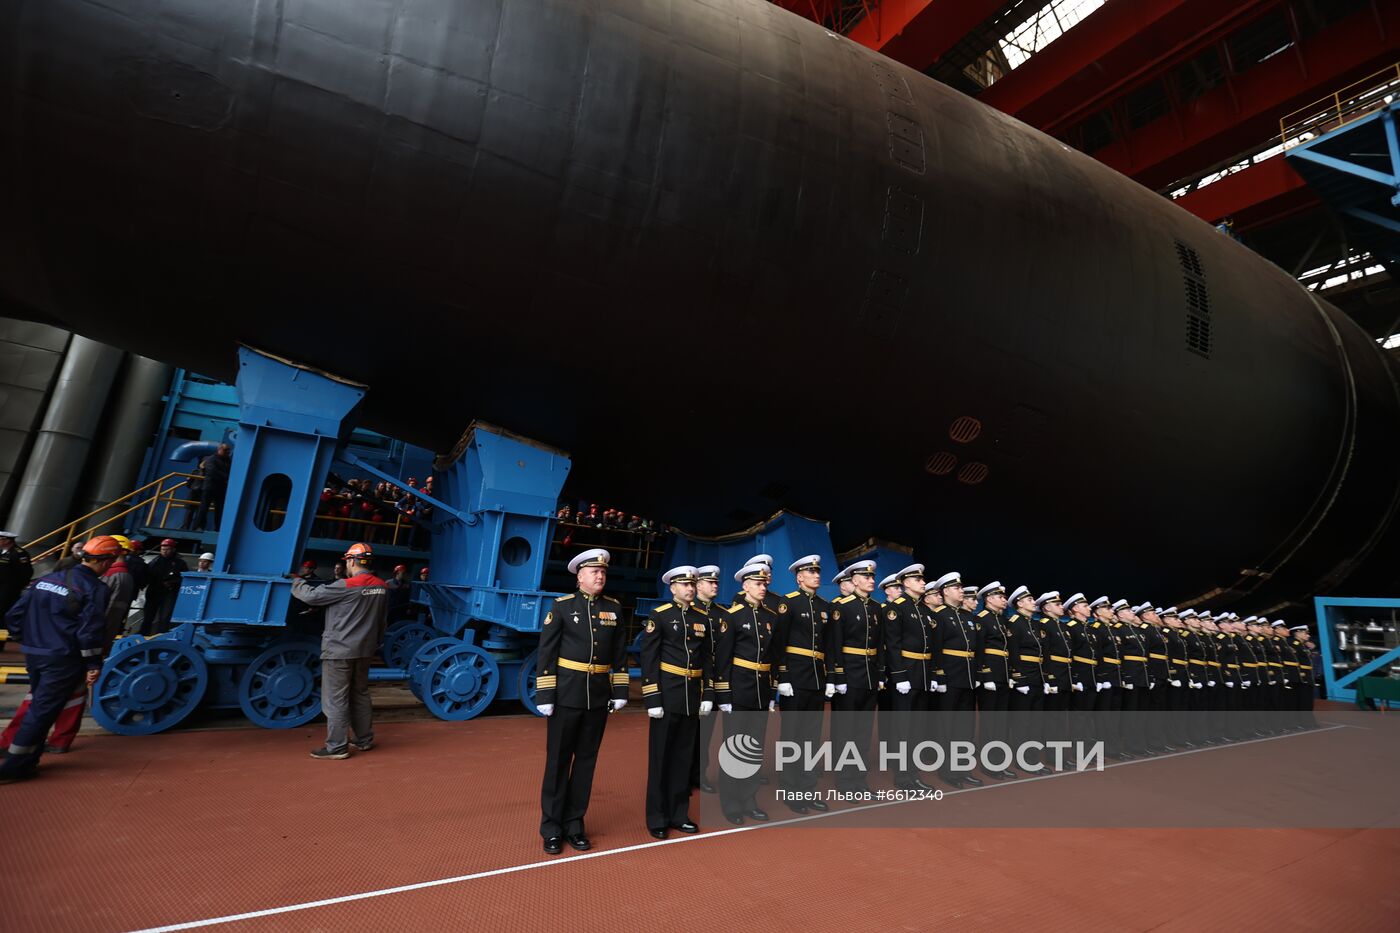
{"x": 582, "y": 856}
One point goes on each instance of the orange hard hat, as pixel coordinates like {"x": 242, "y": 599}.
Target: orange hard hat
{"x": 102, "y": 546}
{"x": 359, "y": 551}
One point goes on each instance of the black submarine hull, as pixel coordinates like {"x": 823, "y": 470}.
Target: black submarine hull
{"x": 729, "y": 260}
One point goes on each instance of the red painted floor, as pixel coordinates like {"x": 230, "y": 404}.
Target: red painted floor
{"x": 133, "y": 833}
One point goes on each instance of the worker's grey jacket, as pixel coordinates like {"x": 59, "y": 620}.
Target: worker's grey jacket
{"x": 355, "y": 612}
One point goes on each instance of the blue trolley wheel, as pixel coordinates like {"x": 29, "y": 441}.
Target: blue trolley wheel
{"x": 281, "y": 688}
{"x": 460, "y": 683}
{"x": 422, "y": 658}
{"x": 148, "y": 686}
{"x": 525, "y": 681}
{"x": 403, "y": 643}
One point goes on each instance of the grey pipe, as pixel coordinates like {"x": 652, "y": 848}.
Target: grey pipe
{"x": 30, "y": 357}
{"x": 127, "y": 431}
{"x": 64, "y": 439}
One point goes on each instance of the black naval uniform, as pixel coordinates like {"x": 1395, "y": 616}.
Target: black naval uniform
{"x": 800, "y": 649}
{"x": 582, "y": 666}
{"x": 993, "y": 667}
{"x": 744, "y": 680}
{"x": 700, "y": 772}
{"x": 15, "y": 573}
{"x": 1155, "y": 700}
{"x": 1084, "y": 665}
{"x": 1027, "y": 678}
{"x": 1055, "y": 644}
{"x": 856, "y": 659}
{"x": 1135, "y": 680}
{"x": 1177, "y": 701}
{"x": 1198, "y": 672}
{"x": 1252, "y": 672}
{"x": 676, "y": 677}
{"x": 910, "y": 643}
{"x": 956, "y": 673}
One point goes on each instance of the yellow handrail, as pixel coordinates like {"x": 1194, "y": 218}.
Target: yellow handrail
{"x": 70, "y": 531}
{"x": 1339, "y": 108}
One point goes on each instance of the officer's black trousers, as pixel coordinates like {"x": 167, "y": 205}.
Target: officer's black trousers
{"x": 1131, "y": 732}
{"x": 802, "y": 723}
{"x": 959, "y": 723}
{"x": 1082, "y": 703}
{"x": 911, "y": 722}
{"x": 736, "y": 792}
{"x": 853, "y": 722}
{"x": 991, "y": 713}
{"x": 571, "y": 752}
{"x": 671, "y": 753}
{"x": 1153, "y": 705}
{"x": 1176, "y": 705}
{"x": 704, "y": 748}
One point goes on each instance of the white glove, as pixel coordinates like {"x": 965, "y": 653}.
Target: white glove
{"x": 1048, "y": 688}
{"x": 1210, "y": 683}
{"x": 830, "y": 691}
{"x": 1105, "y": 685}
{"x": 1230, "y": 684}
{"x": 989, "y": 686}
{"x": 1077, "y": 688}
{"x": 545, "y": 708}
{"x": 933, "y": 685}
{"x": 941, "y": 688}
{"x": 841, "y": 689}
{"x": 656, "y": 712}
{"x": 772, "y": 705}
{"x": 707, "y": 707}
{"x": 902, "y": 686}
{"x": 618, "y": 704}
{"x": 1054, "y": 690}
{"x": 726, "y": 707}
{"x": 1024, "y": 691}
{"x": 1246, "y": 682}
{"x": 1174, "y": 683}
{"x": 1127, "y": 686}
{"x": 784, "y": 690}
{"x": 882, "y": 685}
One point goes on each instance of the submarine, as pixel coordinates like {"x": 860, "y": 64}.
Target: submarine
{"x": 731, "y": 261}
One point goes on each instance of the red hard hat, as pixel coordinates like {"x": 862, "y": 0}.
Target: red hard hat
{"x": 400, "y": 568}
{"x": 308, "y": 565}
{"x": 169, "y": 542}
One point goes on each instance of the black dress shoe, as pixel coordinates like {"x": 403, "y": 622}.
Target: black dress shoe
{"x": 955, "y": 782}
{"x": 919, "y": 784}
{"x": 553, "y": 845}
{"x": 758, "y": 815}
{"x": 579, "y": 841}
{"x": 799, "y": 808}
{"x": 687, "y": 827}
{"x": 1009, "y": 774}
{"x": 706, "y": 787}
{"x": 1167, "y": 748}
{"x": 974, "y": 781}
{"x": 657, "y": 833}
{"x": 819, "y": 805}
{"x": 736, "y": 820}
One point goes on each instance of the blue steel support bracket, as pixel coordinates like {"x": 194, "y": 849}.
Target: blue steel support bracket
{"x": 291, "y": 421}
{"x": 1341, "y": 688}
{"x": 488, "y": 566}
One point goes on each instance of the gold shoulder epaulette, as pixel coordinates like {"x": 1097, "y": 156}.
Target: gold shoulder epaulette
{"x": 898, "y": 601}
{"x": 844, "y": 599}
{"x": 661, "y": 608}
{"x": 983, "y": 612}
{"x": 613, "y": 599}
{"x": 1071, "y": 624}
{"x": 939, "y": 608}
{"x": 793, "y": 595}
{"x": 735, "y": 608}
{"x": 564, "y": 599}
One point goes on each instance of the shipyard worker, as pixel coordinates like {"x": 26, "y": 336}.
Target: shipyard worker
{"x": 581, "y": 676}
{"x": 206, "y": 562}
{"x": 61, "y": 626}
{"x": 15, "y": 570}
{"x": 676, "y": 687}
{"x": 122, "y": 587}
{"x": 803, "y": 686}
{"x": 706, "y": 589}
{"x": 166, "y": 572}
{"x": 744, "y": 690}
{"x": 356, "y": 610}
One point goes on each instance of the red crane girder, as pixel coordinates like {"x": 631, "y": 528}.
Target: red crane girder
{"x": 917, "y": 32}
{"x": 1116, "y": 48}
{"x": 1256, "y": 196}
{"x": 1245, "y": 110}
